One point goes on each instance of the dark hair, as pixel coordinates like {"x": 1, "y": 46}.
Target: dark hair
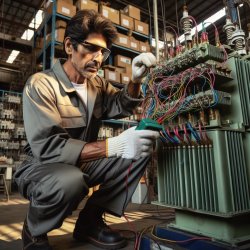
{"x": 86, "y": 22}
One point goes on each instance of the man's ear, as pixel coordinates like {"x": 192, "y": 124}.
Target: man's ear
{"x": 68, "y": 47}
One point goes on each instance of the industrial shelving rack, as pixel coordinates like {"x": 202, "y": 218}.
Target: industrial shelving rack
{"x": 48, "y": 52}
{"x": 12, "y": 135}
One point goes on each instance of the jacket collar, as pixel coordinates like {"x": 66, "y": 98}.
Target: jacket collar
{"x": 62, "y": 77}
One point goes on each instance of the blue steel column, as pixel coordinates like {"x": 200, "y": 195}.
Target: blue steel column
{"x": 44, "y": 41}
{"x": 53, "y": 24}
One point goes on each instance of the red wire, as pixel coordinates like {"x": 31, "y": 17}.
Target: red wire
{"x": 176, "y": 132}
{"x": 192, "y": 239}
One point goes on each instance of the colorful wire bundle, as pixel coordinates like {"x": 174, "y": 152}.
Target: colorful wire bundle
{"x": 167, "y": 96}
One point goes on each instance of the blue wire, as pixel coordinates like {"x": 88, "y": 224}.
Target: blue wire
{"x": 194, "y": 133}
{"x": 151, "y": 108}
{"x": 171, "y": 139}
{"x": 216, "y": 98}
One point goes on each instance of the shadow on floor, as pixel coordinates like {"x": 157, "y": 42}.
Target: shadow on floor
{"x": 13, "y": 214}
{"x": 58, "y": 242}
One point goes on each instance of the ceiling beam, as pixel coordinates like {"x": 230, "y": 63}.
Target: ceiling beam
{"x": 3, "y": 20}
{"x": 16, "y": 43}
{"x": 31, "y": 5}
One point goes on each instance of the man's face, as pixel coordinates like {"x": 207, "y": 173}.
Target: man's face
{"x": 88, "y": 57}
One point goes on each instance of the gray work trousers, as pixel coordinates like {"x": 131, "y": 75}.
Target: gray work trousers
{"x": 56, "y": 189}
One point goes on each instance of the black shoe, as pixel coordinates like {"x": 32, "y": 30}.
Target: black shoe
{"x": 34, "y": 243}
{"x": 100, "y": 235}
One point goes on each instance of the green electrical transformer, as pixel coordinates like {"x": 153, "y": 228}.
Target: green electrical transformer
{"x": 204, "y": 168}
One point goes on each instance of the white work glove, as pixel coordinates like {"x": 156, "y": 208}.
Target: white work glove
{"x": 132, "y": 144}
{"x": 141, "y": 64}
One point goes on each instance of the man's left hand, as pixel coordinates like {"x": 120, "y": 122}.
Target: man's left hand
{"x": 141, "y": 64}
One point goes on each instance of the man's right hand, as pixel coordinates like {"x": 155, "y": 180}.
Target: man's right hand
{"x": 132, "y": 144}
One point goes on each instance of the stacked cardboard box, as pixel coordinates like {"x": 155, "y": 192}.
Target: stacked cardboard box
{"x": 126, "y": 21}
{"x": 134, "y": 44}
{"x": 86, "y": 5}
{"x": 141, "y": 27}
{"x": 63, "y": 7}
{"x": 125, "y": 78}
{"x": 144, "y": 47}
{"x": 135, "y": 14}
{"x": 59, "y": 35}
{"x": 61, "y": 24}
{"x": 123, "y": 40}
{"x": 110, "y": 13}
{"x": 122, "y": 61}
{"x": 121, "y": 72}
{"x": 129, "y": 17}
{"x": 132, "y": 12}
{"x": 111, "y": 74}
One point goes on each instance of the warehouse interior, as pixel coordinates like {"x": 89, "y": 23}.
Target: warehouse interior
{"x": 195, "y": 192}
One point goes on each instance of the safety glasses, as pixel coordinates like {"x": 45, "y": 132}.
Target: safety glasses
{"x": 93, "y": 48}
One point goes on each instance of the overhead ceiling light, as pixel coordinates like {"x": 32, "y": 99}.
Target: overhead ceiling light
{"x": 35, "y": 23}
{"x": 12, "y": 56}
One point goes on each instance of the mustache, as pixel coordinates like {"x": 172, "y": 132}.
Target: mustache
{"x": 93, "y": 64}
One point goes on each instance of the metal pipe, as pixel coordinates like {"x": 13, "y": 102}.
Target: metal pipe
{"x": 156, "y": 29}
{"x": 238, "y": 13}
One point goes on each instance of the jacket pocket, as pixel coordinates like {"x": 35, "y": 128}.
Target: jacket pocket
{"x": 71, "y": 116}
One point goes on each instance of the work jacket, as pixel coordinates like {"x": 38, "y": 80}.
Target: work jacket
{"x": 57, "y": 123}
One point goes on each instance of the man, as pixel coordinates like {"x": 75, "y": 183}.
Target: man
{"x": 63, "y": 108}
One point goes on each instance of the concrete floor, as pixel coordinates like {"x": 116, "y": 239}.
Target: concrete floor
{"x": 12, "y": 214}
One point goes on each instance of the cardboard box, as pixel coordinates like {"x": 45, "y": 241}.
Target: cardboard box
{"x": 61, "y": 24}
{"x": 112, "y": 75}
{"x": 128, "y": 70}
{"x": 134, "y": 44}
{"x": 122, "y": 40}
{"x": 122, "y": 61}
{"x": 144, "y": 47}
{"x": 132, "y": 12}
{"x": 126, "y": 21}
{"x": 110, "y": 13}
{"x": 63, "y": 7}
{"x": 120, "y": 69}
{"x": 125, "y": 78}
{"x": 68, "y": 1}
{"x": 86, "y": 5}
{"x": 141, "y": 27}
{"x": 59, "y": 35}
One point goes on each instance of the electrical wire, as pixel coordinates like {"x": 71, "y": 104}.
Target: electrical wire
{"x": 178, "y": 241}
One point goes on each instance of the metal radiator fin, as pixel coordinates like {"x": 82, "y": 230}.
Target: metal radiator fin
{"x": 205, "y": 178}
{"x": 243, "y": 76}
